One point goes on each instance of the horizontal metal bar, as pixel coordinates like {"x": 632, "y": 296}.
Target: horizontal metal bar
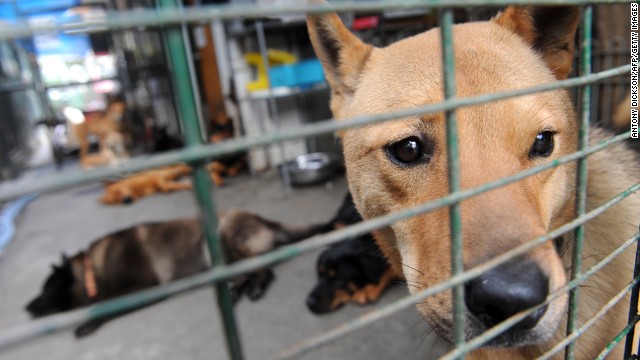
{"x": 413, "y": 299}
{"x": 15, "y": 189}
{"x": 77, "y": 84}
{"x": 511, "y": 321}
{"x": 146, "y": 17}
{"x": 43, "y": 326}
{"x": 618, "y": 338}
{"x": 592, "y": 320}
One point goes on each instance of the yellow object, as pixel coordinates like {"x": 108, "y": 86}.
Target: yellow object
{"x": 275, "y": 57}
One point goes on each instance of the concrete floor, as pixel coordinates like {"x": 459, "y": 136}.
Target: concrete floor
{"x": 187, "y": 326}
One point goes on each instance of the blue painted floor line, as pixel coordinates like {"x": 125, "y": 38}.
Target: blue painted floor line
{"x": 8, "y": 216}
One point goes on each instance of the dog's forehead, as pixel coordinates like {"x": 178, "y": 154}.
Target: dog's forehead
{"x": 488, "y": 59}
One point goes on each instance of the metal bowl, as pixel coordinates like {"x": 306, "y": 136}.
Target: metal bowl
{"x": 312, "y": 168}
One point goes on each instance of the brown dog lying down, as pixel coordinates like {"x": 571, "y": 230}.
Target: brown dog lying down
{"x": 164, "y": 179}
{"x": 150, "y": 254}
{"x": 146, "y": 183}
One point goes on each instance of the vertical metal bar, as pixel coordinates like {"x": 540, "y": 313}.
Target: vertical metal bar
{"x": 446, "y": 33}
{"x": 273, "y": 107}
{"x": 202, "y": 184}
{"x": 581, "y": 188}
{"x": 194, "y": 82}
{"x": 633, "y": 306}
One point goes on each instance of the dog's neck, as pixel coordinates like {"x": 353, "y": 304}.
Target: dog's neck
{"x": 90, "y": 285}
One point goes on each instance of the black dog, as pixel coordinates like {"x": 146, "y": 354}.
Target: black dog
{"x": 353, "y": 270}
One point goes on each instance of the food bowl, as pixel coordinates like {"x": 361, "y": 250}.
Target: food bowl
{"x": 311, "y": 168}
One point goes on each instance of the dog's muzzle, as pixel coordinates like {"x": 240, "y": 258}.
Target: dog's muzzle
{"x": 506, "y": 290}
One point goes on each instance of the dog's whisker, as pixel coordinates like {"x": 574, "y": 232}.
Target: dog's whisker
{"x": 412, "y": 268}
{"x": 423, "y": 337}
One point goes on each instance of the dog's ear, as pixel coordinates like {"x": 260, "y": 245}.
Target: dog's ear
{"x": 341, "y": 53}
{"x": 549, "y": 30}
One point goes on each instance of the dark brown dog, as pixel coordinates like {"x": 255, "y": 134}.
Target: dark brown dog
{"x": 157, "y": 253}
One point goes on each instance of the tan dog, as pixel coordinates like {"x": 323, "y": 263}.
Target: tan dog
{"x": 146, "y": 183}
{"x": 106, "y": 127}
{"x": 399, "y": 164}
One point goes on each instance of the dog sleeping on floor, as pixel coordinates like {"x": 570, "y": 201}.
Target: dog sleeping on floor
{"x": 145, "y": 183}
{"x": 399, "y": 164}
{"x": 353, "y": 270}
{"x": 161, "y": 180}
{"x": 151, "y": 254}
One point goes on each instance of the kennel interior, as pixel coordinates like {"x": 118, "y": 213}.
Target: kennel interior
{"x": 600, "y": 84}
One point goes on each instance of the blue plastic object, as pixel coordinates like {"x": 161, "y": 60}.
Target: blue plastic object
{"x": 303, "y": 73}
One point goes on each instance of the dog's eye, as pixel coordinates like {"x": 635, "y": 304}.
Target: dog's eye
{"x": 542, "y": 145}
{"x": 409, "y": 151}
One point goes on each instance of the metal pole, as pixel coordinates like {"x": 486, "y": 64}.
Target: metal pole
{"x": 581, "y": 186}
{"x": 202, "y": 185}
{"x": 273, "y": 107}
{"x": 455, "y": 223}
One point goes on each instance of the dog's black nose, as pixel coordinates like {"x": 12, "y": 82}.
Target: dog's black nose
{"x": 127, "y": 200}
{"x": 312, "y": 304}
{"x": 506, "y": 290}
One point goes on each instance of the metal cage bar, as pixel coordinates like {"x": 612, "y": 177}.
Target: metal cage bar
{"x": 14, "y": 190}
{"x": 581, "y": 185}
{"x": 633, "y": 307}
{"x": 186, "y": 100}
{"x": 573, "y": 284}
{"x": 139, "y": 18}
{"x": 618, "y": 338}
{"x": 574, "y": 335}
{"x": 455, "y": 221}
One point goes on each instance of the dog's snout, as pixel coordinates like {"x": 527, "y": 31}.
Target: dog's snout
{"x": 127, "y": 200}
{"x": 506, "y": 290}
{"x": 312, "y": 304}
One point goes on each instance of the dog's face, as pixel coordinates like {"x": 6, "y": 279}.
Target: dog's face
{"x": 403, "y": 163}
{"x": 57, "y": 294}
{"x": 116, "y": 110}
{"x": 341, "y": 273}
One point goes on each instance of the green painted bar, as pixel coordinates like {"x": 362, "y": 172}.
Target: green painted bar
{"x": 455, "y": 222}
{"x": 581, "y": 185}
{"x": 618, "y": 338}
{"x": 140, "y": 17}
{"x": 186, "y": 100}
{"x": 12, "y": 190}
{"x": 633, "y": 307}
{"x": 573, "y": 336}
